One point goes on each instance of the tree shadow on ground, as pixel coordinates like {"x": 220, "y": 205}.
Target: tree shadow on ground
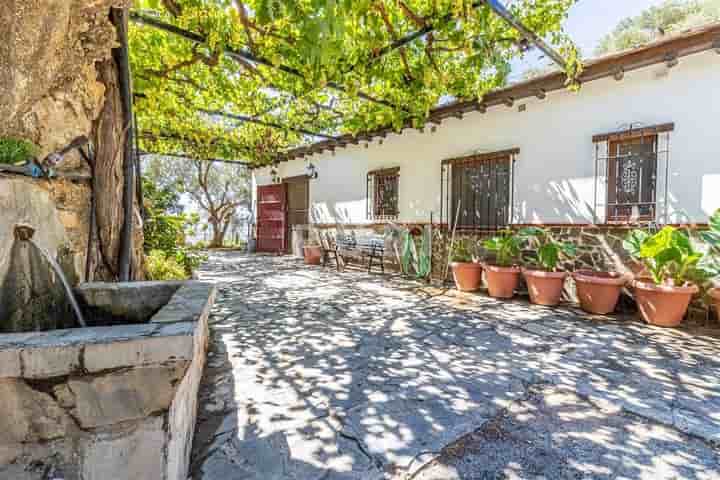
{"x": 316, "y": 374}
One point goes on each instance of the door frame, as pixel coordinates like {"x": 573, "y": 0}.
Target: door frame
{"x": 288, "y": 229}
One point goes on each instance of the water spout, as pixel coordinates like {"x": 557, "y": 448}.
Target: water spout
{"x": 25, "y": 233}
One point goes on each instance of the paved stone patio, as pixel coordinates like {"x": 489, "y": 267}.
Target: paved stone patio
{"x": 318, "y": 375}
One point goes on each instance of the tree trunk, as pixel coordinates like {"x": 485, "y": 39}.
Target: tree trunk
{"x": 108, "y": 185}
{"x": 218, "y": 234}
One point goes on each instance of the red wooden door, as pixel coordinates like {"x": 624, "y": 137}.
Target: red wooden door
{"x": 272, "y": 219}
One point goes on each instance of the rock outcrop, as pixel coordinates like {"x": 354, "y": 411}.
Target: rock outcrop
{"x": 58, "y": 82}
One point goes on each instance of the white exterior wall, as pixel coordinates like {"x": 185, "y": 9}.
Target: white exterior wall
{"x": 554, "y": 172}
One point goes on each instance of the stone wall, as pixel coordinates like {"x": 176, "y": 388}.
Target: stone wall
{"x": 31, "y": 297}
{"x": 105, "y": 402}
{"x": 51, "y": 92}
{"x": 599, "y": 248}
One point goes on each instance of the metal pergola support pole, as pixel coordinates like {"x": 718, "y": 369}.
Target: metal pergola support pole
{"x": 121, "y": 56}
{"x": 505, "y": 14}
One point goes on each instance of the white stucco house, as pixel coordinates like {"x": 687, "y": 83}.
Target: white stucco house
{"x": 639, "y": 142}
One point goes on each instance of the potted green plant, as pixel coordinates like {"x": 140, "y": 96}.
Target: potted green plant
{"x": 712, "y": 238}
{"x": 503, "y": 275}
{"x": 545, "y": 283}
{"x": 598, "y": 292}
{"x": 673, "y": 266}
{"x": 467, "y": 272}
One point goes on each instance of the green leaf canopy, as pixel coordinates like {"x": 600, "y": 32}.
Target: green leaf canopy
{"x": 319, "y": 64}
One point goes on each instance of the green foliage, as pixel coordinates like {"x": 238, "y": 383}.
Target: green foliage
{"x": 506, "y": 247}
{"x": 463, "y": 251}
{"x": 469, "y": 53}
{"x": 217, "y": 189}
{"x": 668, "y": 255}
{"x": 712, "y": 235}
{"x": 548, "y": 251}
{"x": 160, "y": 266}
{"x": 13, "y": 151}
{"x": 712, "y": 239}
{"x": 666, "y": 18}
{"x": 165, "y": 229}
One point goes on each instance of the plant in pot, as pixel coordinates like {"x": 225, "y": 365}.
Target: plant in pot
{"x": 545, "y": 283}
{"x": 503, "y": 275}
{"x": 312, "y": 251}
{"x": 674, "y": 271}
{"x": 712, "y": 238}
{"x": 467, "y": 272}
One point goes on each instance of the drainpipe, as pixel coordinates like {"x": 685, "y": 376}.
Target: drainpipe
{"x": 119, "y": 18}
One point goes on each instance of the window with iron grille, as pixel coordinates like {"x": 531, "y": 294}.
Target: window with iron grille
{"x": 382, "y": 194}
{"x": 631, "y": 174}
{"x": 477, "y": 190}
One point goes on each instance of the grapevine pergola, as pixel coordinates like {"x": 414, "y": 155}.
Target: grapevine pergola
{"x": 251, "y": 80}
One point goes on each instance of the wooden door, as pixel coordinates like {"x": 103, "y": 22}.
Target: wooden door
{"x": 272, "y": 218}
{"x": 298, "y": 204}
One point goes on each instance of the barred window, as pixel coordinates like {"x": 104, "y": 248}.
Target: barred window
{"x": 481, "y": 185}
{"x": 382, "y": 194}
{"x": 628, "y": 164}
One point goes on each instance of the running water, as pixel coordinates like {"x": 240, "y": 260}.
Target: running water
{"x": 25, "y": 233}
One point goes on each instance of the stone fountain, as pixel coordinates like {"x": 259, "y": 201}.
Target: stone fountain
{"x": 115, "y": 400}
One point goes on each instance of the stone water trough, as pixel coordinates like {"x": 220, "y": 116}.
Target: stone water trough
{"x": 116, "y": 400}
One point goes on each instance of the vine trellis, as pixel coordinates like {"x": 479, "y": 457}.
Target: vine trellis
{"x": 251, "y": 79}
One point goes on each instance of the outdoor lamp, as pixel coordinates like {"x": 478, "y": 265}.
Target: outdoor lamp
{"x": 311, "y": 171}
{"x": 275, "y": 175}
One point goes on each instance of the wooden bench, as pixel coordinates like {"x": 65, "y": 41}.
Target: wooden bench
{"x": 372, "y": 246}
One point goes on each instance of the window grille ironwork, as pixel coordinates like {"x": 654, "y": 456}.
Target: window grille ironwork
{"x": 631, "y": 176}
{"x": 482, "y": 187}
{"x": 382, "y": 194}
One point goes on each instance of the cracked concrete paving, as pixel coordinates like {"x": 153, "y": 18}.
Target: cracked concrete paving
{"x": 318, "y": 375}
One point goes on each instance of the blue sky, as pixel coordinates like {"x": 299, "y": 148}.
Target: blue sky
{"x": 588, "y": 22}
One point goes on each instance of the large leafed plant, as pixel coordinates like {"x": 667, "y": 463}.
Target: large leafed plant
{"x": 547, "y": 251}
{"x": 668, "y": 255}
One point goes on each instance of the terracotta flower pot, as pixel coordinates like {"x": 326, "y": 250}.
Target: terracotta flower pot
{"x": 598, "y": 292}
{"x": 663, "y": 305}
{"x": 467, "y": 276}
{"x": 312, "y": 254}
{"x": 502, "y": 281}
{"x": 715, "y": 295}
{"x": 545, "y": 287}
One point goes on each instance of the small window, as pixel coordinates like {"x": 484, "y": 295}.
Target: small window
{"x": 481, "y": 186}
{"x": 382, "y": 194}
{"x": 627, "y": 171}
{"x": 632, "y": 180}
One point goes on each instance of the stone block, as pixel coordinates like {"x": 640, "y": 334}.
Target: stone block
{"x": 48, "y": 362}
{"x": 128, "y": 395}
{"x": 29, "y": 415}
{"x": 144, "y": 351}
{"x": 10, "y": 363}
{"x": 133, "y": 453}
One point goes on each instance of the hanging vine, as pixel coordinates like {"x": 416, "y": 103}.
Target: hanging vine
{"x": 328, "y": 66}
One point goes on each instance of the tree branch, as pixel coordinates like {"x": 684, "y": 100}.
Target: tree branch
{"x": 240, "y": 7}
{"x": 172, "y": 7}
{"x": 391, "y": 30}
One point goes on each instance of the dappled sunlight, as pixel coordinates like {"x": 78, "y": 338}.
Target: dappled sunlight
{"x": 327, "y": 373}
